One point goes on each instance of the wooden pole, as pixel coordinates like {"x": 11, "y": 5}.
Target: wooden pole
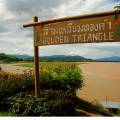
{"x": 36, "y": 65}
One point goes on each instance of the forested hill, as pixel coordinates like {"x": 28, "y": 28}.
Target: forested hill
{"x": 5, "y": 57}
{"x": 64, "y": 58}
{"x": 11, "y": 58}
{"x": 109, "y": 59}
{"x": 8, "y": 58}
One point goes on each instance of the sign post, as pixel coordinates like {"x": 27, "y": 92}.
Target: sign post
{"x": 36, "y": 64}
{"x": 91, "y": 28}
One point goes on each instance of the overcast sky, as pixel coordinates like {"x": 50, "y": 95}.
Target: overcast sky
{"x": 14, "y": 39}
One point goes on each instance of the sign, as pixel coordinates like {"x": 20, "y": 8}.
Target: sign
{"x": 102, "y": 27}
{"x": 83, "y": 30}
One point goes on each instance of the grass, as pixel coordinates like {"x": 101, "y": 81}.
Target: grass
{"x": 49, "y": 64}
{"x": 15, "y": 62}
{"x": 95, "y": 108}
{"x": 3, "y": 113}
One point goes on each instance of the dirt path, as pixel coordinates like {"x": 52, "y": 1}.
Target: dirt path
{"x": 102, "y": 81}
{"x": 13, "y": 68}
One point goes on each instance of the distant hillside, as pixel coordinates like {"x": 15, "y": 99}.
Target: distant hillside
{"x": 64, "y": 58}
{"x": 5, "y": 57}
{"x": 24, "y": 56}
{"x": 8, "y": 58}
{"x": 109, "y": 59}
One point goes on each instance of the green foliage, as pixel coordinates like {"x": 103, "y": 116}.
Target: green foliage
{"x": 3, "y": 113}
{"x": 118, "y": 112}
{"x": 8, "y": 58}
{"x": 59, "y": 78}
{"x": 60, "y": 103}
{"x": 11, "y": 84}
{"x": 57, "y": 88}
{"x": 117, "y": 7}
{"x": 98, "y": 107}
{"x": 28, "y": 105}
{"x": 50, "y": 103}
{"x": 51, "y": 65}
{"x": 62, "y": 78}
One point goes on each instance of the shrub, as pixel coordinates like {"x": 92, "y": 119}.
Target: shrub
{"x": 59, "y": 78}
{"x": 118, "y": 112}
{"x": 57, "y": 83}
{"x": 50, "y": 103}
{"x": 28, "y": 105}
{"x": 60, "y": 103}
{"x": 62, "y": 78}
{"x": 99, "y": 108}
{"x": 11, "y": 84}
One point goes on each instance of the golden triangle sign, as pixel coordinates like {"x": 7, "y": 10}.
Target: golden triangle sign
{"x": 92, "y": 28}
{"x": 101, "y": 27}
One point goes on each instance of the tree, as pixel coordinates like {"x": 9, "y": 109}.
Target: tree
{"x": 117, "y": 9}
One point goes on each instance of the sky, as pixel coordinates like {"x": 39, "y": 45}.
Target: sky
{"x": 14, "y": 39}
